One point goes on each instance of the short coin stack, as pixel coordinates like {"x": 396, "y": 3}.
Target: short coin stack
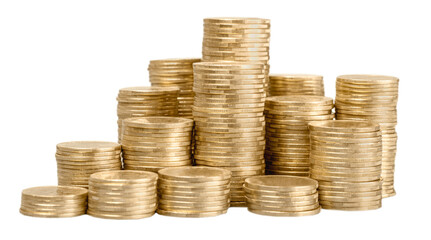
{"x": 373, "y": 98}
{"x": 282, "y": 195}
{"x": 287, "y": 136}
{"x": 54, "y": 201}
{"x": 193, "y": 191}
{"x": 237, "y": 39}
{"x": 146, "y": 101}
{"x": 346, "y": 159}
{"x": 175, "y": 73}
{"x": 122, "y": 194}
{"x": 153, "y": 143}
{"x": 76, "y": 161}
{"x": 229, "y": 121}
{"x": 296, "y": 84}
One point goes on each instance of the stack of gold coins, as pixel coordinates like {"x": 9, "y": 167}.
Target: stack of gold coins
{"x": 237, "y": 39}
{"x": 123, "y": 194}
{"x": 346, "y": 158}
{"x": 54, "y": 201}
{"x": 287, "y": 196}
{"x": 373, "y": 98}
{"x": 229, "y": 121}
{"x": 296, "y": 84}
{"x": 146, "y": 101}
{"x": 76, "y": 161}
{"x": 287, "y": 136}
{"x": 193, "y": 191}
{"x": 177, "y": 73}
{"x": 153, "y": 143}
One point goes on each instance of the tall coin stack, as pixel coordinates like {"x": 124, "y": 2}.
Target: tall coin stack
{"x": 153, "y": 143}
{"x": 286, "y": 196}
{"x": 193, "y": 191}
{"x": 287, "y": 136}
{"x": 346, "y": 158}
{"x": 76, "y": 161}
{"x": 237, "y": 39}
{"x": 175, "y": 73}
{"x": 146, "y": 101}
{"x": 229, "y": 121}
{"x": 123, "y": 194}
{"x": 54, "y": 201}
{"x": 296, "y": 84}
{"x": 373, "y": 98}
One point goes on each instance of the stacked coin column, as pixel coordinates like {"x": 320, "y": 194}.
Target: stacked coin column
{"x": 373, "y": 98}
{"x": 123, "y": 194}
{"x": 237, "y": 39}
{"x": 287, "y": 136}
{"x": 296, "y": 84}
{"x": 287, "y": 196}
{"x": 229, "y": 121}
{"x": 193, "y": 191}
{"x": 153, "y": 143}
{"x": 146, "y": 101}
{"x": 175, "y": 73}
{"x": 346, "y": 158}
{"x": 76, "y": 161}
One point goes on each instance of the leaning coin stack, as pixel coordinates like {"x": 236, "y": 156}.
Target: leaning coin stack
{"x": 373, "y": 98}
{"x": 175, "y": 73}
{"x": 122, "y": 194}
{"x": 153, "y": 143}
{"x": 287, "y": 196}
{"x": 193, "y": 191}
{"x": 146, "y": 101}
{"x": 229, "y": 121}
{"x": 54, "y": 201}
{"x": 287, "y": 136}
{"x": 346, "y": 158}
{"x": 296, "y": 84}
{"x": 76, "y": 161}
{"x": 237, "y": 39}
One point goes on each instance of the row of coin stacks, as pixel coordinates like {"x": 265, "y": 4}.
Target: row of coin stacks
{"x": 373, "y": 98}
{"x": 346, "y": 159}
{"x": 237, "y": 39}
{"x": 146, "y": 101}
{"x": 296, "y": 84}
{"x": 287, "y": 136}
{"x": 229, "y": 121}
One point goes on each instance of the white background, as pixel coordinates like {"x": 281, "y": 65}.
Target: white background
{"x": 62, "y": 63}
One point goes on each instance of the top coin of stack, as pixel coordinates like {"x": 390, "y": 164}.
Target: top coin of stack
{"x": 237, "y": 39}
{"x": 146, "y": 101}
{"x": 176, "y": 73}
{"x": 229, "y": 121}
{"x": 296, "y": 84}
{"x": 282, "y": 195}
{"x": 76, "y": 161}
{"x": 346, "y": 158}
{"x": 54, "y": 201}
{"x": 287, "y": 136}
{"x": 373, "y": 98}
{"x": 153, "y": 143}
{"x": 193, "y": 191}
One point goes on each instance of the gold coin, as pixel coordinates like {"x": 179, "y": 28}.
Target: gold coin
{"x": 285, "y": 214}
{"x": 88, "y": 146}
{"x": 195, "y": 174}
{"x": 186, "y": 213}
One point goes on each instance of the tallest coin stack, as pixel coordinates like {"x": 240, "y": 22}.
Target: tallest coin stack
{"x": 237, "y": 39}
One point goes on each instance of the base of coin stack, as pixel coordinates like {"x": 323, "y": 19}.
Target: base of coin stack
{"x": 54, "y": 201}
{"x": 280, "y": 195}
{"x": 346, "y": 159}
{"x": 123, "y": 194}
{"x": 296, "y": 84}
{"x": 76, "y": 161}
{"x": 193, "y": 191}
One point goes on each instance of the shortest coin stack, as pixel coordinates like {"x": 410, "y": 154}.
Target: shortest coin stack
{"x": 193, "y": 191}
{"x": 54, "y": 201}
{"x": 280, "y": 195}
{"x": 122, "y": 194}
